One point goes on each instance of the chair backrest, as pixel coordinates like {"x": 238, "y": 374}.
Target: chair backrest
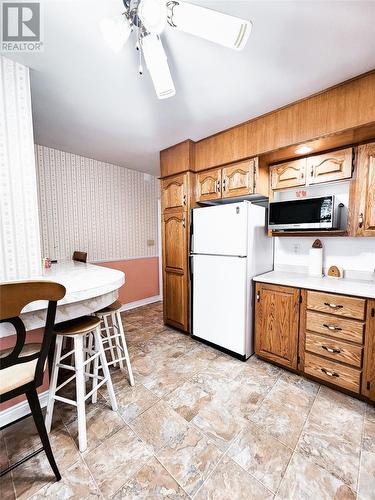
{"x": 13, "y": 298}
{"x": 80, "y": 256}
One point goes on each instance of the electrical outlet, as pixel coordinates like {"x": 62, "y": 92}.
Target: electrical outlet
{"x": 296, "y": 248}
{"x": 150, "y": 243}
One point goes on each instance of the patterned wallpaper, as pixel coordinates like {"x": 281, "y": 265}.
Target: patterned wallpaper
{"x": 19, "y": 223}
{"x": 88, "y": 205}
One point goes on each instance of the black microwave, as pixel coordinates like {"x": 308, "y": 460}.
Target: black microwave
{"x": 305, "y": 213}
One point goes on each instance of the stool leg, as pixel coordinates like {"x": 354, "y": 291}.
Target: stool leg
{"x": 80, "y": 389}
{"x": 125, "y": 347}
{"x": 118, "y": 335}
{"x": 94, "y": 396}
{"x": 110, "y": 343}
{"x": 89, "y": 347}
{"x": 53, "y": 382}
{"x": 106, "y": 373}
{"x": 32, "y": 398}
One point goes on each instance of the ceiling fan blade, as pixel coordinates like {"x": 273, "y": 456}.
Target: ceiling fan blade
{"x": 157, "y": 65}
{"x": 217, "y": 27}
{"x": 115, "y": 31}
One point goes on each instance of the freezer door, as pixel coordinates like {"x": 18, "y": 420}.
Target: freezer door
{"x": 220, "y": 230}
{"x": 219, "y": 312}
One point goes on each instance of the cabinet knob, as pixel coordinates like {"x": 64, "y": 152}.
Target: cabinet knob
{"x": 333, "y": 306}
{"x": 218, "y": 187}
{"x": 330, "y": 374}
{"x": 224, "y": 185}
{"x": 332, "y": 327}
{"x": 183, "y": 222}
{"x": 360, "y": 220}
{"x": 184, "y": 199}
{"x": 331, "y": 349}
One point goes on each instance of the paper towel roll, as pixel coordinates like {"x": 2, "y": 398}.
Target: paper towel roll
{"x": 316, "y": 262}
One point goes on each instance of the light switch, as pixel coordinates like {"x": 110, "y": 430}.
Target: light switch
{"x": 150, "y": 243}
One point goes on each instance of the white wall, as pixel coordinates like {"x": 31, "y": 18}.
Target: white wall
{"x": 88, "y": 205}
{"x": 355, "y": 254}
{"x": 20, "y": 255}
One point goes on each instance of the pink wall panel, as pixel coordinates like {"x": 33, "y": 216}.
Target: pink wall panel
{"x": 142, "y": 278}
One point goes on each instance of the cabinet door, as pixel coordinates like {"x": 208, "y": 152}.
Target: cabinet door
{"x": 276, "y": 323}
{"x": 209, "y": 185}
{"x": 238, "y": 179}
{"x": 368, "y": 384}
{"x": 288, "y": 175}
{"x": 330, "y": 167}
{"x": 175, "y": 240}
{"x": 174, "y": 192}
{"x": 176, "y": 299}
{"x": 364, "y": 198}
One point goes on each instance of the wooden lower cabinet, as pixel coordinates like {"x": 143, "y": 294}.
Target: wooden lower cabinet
{"x": 176, "y": 299}
{"x": 301, "y": 330}
{"x": 276, "y": 323}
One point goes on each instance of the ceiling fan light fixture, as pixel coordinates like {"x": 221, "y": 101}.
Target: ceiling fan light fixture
{"x": 157, "y": 65}
{"x": 214, "y": 26}
{"x": 115, "y": 31}
{"x": 153, "y": 15}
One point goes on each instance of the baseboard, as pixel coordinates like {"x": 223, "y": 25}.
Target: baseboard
{"x": 142, "y": 302}
{"x": 20, "y": 410}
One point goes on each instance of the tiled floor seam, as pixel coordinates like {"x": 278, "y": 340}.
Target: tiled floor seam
{"x": 164, "y": 467}
{"x": 296, "y": 445}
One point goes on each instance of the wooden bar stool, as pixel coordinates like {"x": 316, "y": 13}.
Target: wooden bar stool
{"x": 113, "y": 337}
{"x": 22, "y": 366}
{"x": 85, "y": 351}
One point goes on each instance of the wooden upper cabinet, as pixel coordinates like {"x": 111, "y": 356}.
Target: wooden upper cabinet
{"x": 288, "y": 175}
{"x": 364, "y": 197}
{"x": 175, "y": 241}
{"x": 176, "y": 159}
{"x": 333, "y": 166}
{"x": 208, "y": 185}
{"x": 174, "y": 192}
{"x": 238, "y": 179}
{"x": 276, "y": 323}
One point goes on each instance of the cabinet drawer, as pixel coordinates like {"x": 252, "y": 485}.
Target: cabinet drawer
{"x": 335, "y": 373}
{"x": 338, "y": 328}
{"x": 334, "y": 349}
{"x": 340, "y": 305}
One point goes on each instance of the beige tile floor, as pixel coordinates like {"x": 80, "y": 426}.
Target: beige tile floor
{"x": 201, "y": 424}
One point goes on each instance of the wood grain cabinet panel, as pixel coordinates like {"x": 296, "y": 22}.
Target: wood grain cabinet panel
{"x": 288, "y": 175}
{"x": 175, "y": 299}
{"x": 332, "y": 372}
{"x": 238, "y": 179}
{"x": 334, "y": 349}
{"x": 175, "y": 240}
{"x": 208, "y": 185}
{"x": 174, "y": 192}
{"x": 340, "y": 305}
{"x": 368, "y": 385}
{"x": 276, "y": 323}
{"x": 333, "y": 166}
{"x": 334, "y": 326}
{"x": 364, "y": 197}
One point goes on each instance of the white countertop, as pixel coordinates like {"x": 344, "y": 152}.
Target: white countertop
{"x": 82, "y": 281}
{"x": 345, "y": 286}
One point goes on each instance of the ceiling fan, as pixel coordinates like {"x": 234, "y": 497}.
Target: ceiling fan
{"x": 148, "y": 18}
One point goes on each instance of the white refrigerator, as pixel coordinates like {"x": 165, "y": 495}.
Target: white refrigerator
{"x": 229, "y": 246}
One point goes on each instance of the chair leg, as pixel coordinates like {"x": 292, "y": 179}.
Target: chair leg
{"x": 110, "y": 341}
{"x": 80, "y": 390}
{"x": 125, "y": 347}
{"x": 53, "y": 382}
{"x": 116, "y": 332}
{"x": 32, "y": 398}
{"x": 106, "y": 373}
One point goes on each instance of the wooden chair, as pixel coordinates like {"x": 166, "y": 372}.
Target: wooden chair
{"x": 22, "y": 366}
{"x": 80, "y": 256}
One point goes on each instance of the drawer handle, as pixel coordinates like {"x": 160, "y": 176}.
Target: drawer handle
{"x": 333, "y": 306}
{"x": 330, "y": 374}
{"x": 330, "y": 349}
{"x": 331, "y": 327}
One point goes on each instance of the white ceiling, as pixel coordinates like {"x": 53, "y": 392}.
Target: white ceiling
{"x": 89, "y": 101}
